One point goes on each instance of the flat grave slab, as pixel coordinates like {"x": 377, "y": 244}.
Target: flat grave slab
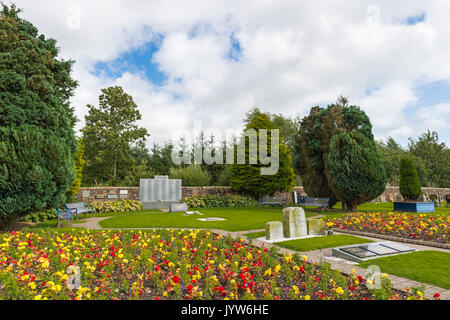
{"x": 378, "y": 249}
{"x": 397, "y": 246}
{"x": 363, "y": 252}
{"x": 359, "y": 252}
{"x": 212, "y": 219}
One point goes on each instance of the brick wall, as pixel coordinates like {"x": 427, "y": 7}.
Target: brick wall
{"x": 117, "y": 193}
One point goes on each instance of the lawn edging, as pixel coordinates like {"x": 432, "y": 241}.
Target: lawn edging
{"x": 393, "y": 238}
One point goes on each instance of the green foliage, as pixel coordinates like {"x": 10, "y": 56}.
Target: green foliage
{"x": 247, "y": 178}
{"x": 212, "y": 201}
{"x": 224, "y": 177}
{"x": 108, "y": 136}
{"x": 436, "y": 158}
{"x": 40, "y": 216}
{"x": 137, "y": 172}
{"x": 409, "y": 181}
{"x": 123, "y": 205}
{"x": 308, "y": 159}
{"x": 357, "y": 171}
{"x": 37, "y": 140}
{"x": 353, "y": 174}
{"x": 79, "y": 164}
{"x": 192, "y": 175}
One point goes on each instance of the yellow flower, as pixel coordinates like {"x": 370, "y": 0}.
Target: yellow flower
{"x": 38, "y": 297}
{"x": 307, "y": 297}
{"x": 339, "y": 290}
{"x": 32, "y": 285}
{"x": 268, "y": 272}
{"x": 277, "y": 268}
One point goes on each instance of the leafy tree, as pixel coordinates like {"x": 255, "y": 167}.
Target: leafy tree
{"x": 160, "y": 160}
{"x": 137, "y": 172}
{"x": 391, "y": 154}
{"x": 288, "y": 126}
{"x": 79, "y": 164}
{"x": 247, "y": 178}
{"x": 109, "y": 134}
{"x": 436, "y": 158}
{"x": 37, "y": 141}
{"x": 409, "y": 181}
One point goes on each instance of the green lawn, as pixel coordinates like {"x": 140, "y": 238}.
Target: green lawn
{"x": 318, "y": 243}
{"x": 431, "y": 267}
{"x": 237, "y": 219}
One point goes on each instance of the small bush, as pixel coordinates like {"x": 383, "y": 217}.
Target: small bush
{"x": 100, "y": 207}
{"x": 409, "y": 180}
{"x": 192, "y": 176}
{"x": 212, "y": 201}
{"x": 117, "y": 206}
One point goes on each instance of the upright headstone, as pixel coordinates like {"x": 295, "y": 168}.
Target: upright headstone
{"x": 274, "y": 230}
{"x": 316, "y": 227}
{"x": 294, "y": 222}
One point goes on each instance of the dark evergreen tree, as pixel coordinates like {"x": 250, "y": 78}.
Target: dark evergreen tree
{"x": 409, "y": 180}
{"x": 355, "y": 169}
{"x": 247, "y": 178}
{"x": 37, "y": 141}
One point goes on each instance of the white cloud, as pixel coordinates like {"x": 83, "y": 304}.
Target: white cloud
{"x": 295, "y": 54}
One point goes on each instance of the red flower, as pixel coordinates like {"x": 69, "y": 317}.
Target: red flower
{"x": 436, "y": 296}
{"x": 360, "y": 279}
{"x": 176, "y": 279}
{"x": 352, "y": 288}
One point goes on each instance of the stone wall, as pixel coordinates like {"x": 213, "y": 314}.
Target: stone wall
{"x": 117, "y": 193}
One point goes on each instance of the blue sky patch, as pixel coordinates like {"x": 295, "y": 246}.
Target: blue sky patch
{"x": 235, "y": 52}
{"x": 415, "y": 19}
{"x": 137, "y": 60}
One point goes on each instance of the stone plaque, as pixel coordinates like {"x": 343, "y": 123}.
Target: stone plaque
{"x": 112, "y": 196}
{"x": 178, "y": 207}
{"x": 123, "y": 191}
{"x": 359, "y": 252}
{"x": 160, "y": 189}
{"x": 85, "y": 193}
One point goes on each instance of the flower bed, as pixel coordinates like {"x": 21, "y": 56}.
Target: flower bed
{"x": 165, "y": 264}
{"x": 419, "y": 227}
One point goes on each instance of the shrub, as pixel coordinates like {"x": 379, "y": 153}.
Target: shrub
{"x": 117, "y": 206}
{"x": 100, "y": 207}
{"x": 212, "y": 201}
{"x": 409, "y": 180}
{"x": 192, "y": 176}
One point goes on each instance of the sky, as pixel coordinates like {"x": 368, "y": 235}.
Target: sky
{"x": 205, "y": 63}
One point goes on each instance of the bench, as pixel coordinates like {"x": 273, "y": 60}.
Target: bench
{"x": 314, "y": 202}
{"x": 272, "y": 201}
{"x": 66, "y": 214}
{"x": 80, "y": 207}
